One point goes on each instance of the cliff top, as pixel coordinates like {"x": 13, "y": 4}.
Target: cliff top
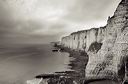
{"x": 82, "y": 31}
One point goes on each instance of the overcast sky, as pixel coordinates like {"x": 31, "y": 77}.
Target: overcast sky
{"x": 41, "y": 21}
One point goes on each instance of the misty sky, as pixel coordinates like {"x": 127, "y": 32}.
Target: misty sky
{"x": 41, "y": 21}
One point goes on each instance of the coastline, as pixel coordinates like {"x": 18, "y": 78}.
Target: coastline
{"x": 78, "y": 62}
{"x": 106, "y": 47}
{"x": 77, "y": 65}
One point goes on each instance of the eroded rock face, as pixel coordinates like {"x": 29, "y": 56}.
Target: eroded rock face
{"x": 82, "y": 40}
{"x": 107, "y": 46}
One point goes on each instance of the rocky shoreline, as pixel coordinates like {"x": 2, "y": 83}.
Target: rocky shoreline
{"x": 77, "y": 73}
{"x": 75, "y": 76}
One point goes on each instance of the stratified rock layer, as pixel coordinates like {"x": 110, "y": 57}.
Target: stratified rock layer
{"x": 107, "y": 46}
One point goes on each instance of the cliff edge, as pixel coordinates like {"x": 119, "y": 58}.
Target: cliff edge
{"x": 107, "y": 47}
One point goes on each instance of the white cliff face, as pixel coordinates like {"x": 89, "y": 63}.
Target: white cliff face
{"x": 82, "y": 40}
{"x": 108, "y": 61}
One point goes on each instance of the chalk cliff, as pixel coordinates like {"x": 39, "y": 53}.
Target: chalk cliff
{"x": 107, "y": 47}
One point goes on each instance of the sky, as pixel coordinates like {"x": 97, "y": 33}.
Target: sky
{"x": 43, "y": 21}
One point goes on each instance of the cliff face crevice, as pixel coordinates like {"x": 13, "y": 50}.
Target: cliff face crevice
{"x": 107, "y": 46}
{"x": 95, "y": 47}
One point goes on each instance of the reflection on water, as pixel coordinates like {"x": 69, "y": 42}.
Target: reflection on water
{"x": 22, "y": 62}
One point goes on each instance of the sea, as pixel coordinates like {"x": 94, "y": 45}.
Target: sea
{"x": 22, "y": 62}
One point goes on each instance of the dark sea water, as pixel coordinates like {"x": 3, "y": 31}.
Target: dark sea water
{"x": 19, "y": 63}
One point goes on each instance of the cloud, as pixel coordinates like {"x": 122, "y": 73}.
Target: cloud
{"x": 90, "y": 9}
{"x": 46, "y": 20}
